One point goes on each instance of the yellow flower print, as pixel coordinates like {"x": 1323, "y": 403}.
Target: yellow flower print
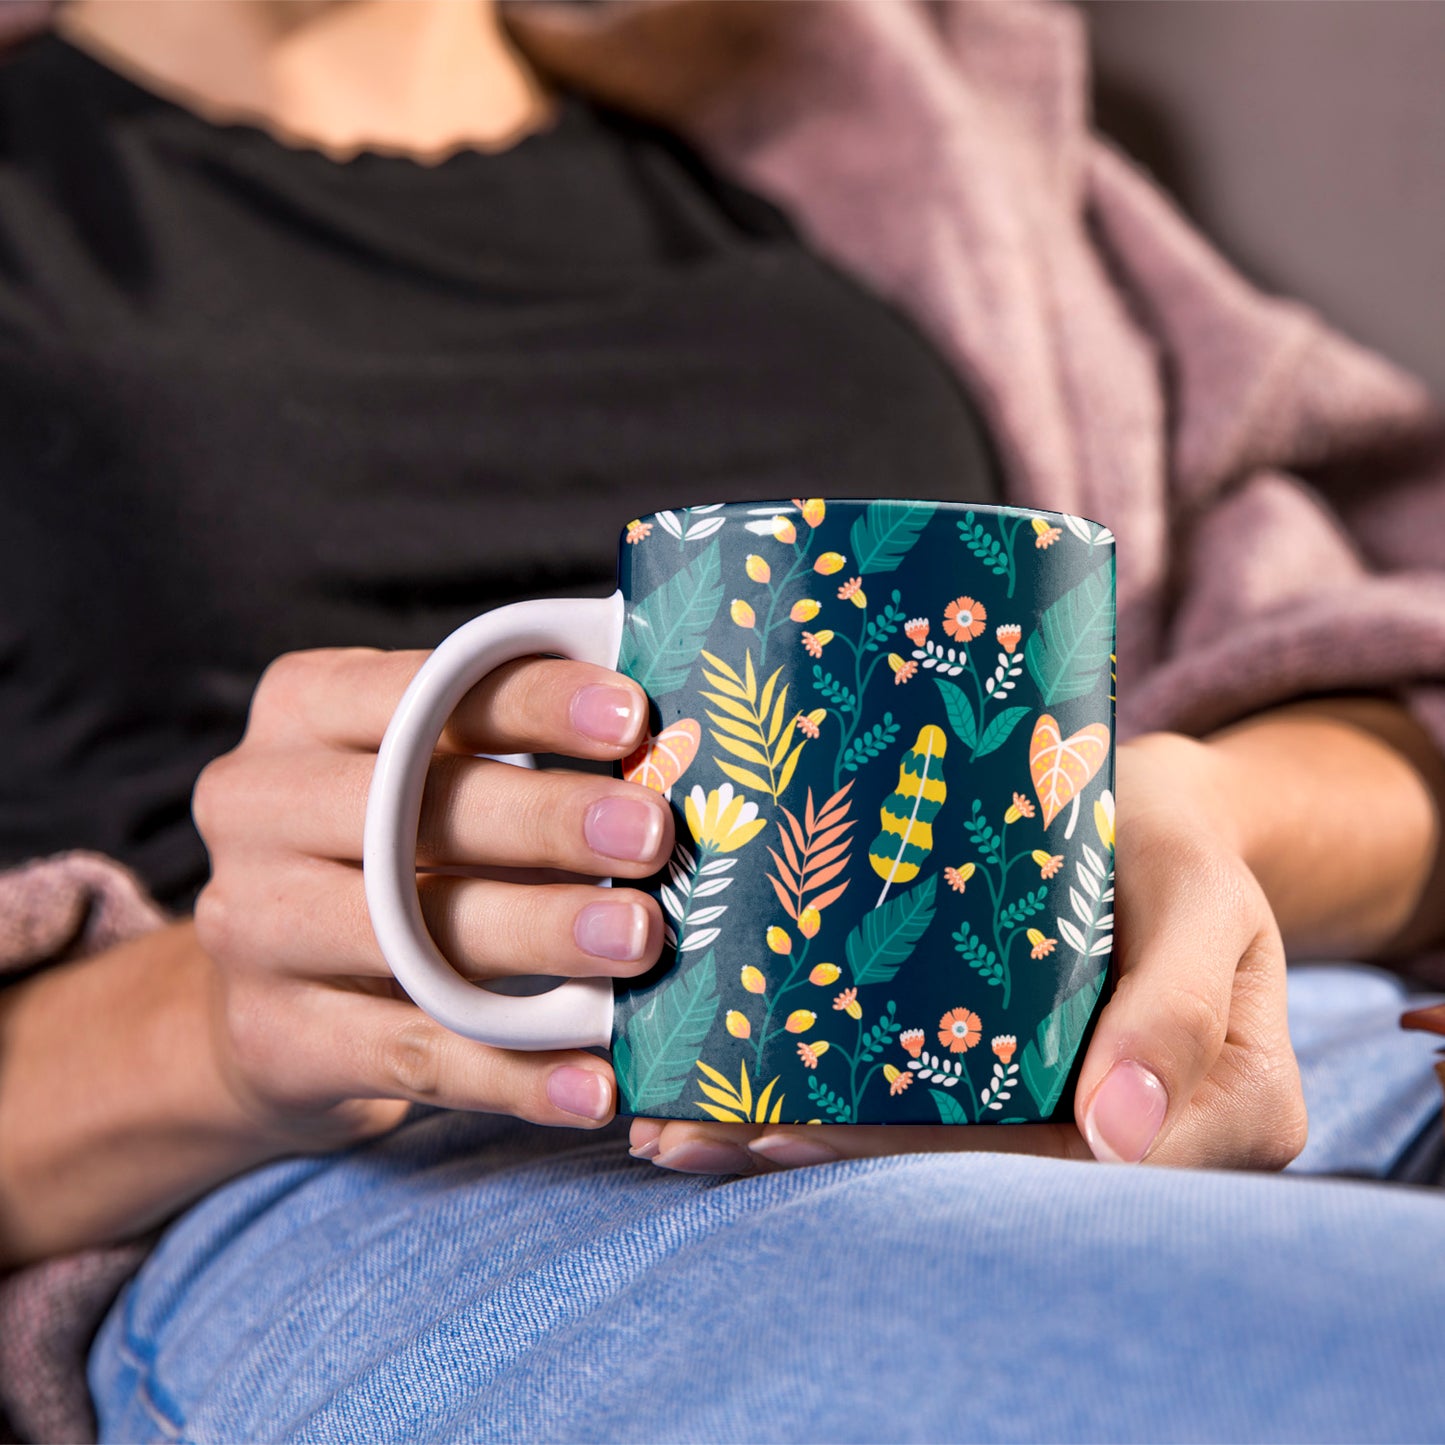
{"x": 1104, "y": 819}
{"x": 847, "y": 1002}
{"x": 778, "y": 940}
{"x": 757, "y": 568}
{"x": 753, "y": 979}
{"x": 805, "y": 609}
{"x": 722, "y": 820}
{"x": 824, "y": 973}
{"x": 852, "y": 591}
{"x": 742, "y": 613}
{"x": 829, "y": 563}
{"x": 1049, "y": 863}
{"x": 811, "y": 1053}
{"x": 809, "y": 922}
{"x": 737, "y": 1024}
{"x": 800, "y": 1021}
{"x": 1040, "y": 946}
{"x": 638, "y": 531}
{"x": 957, "y": 878}
{"x": 1019, "y": 808}
{"x": 814, "y": 510}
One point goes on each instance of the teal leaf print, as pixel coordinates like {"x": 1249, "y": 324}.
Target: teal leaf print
{"x": 828, "y": 1101}
{"x": 987, "y": 548}
{"x": 1070, "y": 651}
{"x": 666, "y": 630}
{"x": 1049, "y": 1055}
{"x": 834, "y": 691}
{"x": 878, "y": 946}
{"x": 884, "y": 535}
{"x": 996, "y": 734}
{"x": 978, "y": 956}
{"x": 950, "y": 1111}
{"x": 870, "y": 743}
{"x": 960, "y": 712}
{"x": 668, "y": 1032}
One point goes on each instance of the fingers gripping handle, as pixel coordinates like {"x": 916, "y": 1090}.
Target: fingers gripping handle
{"x": 577, "y": 1014}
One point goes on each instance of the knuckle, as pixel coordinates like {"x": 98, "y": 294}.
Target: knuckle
{"x": 214, "y": 922}
{"x": 1196, "y": 1020}
{"x": 209, "y": 797}
{"x": 410, "y": 1063}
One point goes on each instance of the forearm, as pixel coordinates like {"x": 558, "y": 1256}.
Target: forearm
{"x": 1336, "y": 806}
{"x": 113, "y": 1110}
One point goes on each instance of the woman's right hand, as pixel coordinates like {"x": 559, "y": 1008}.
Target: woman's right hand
{"x": 314, "y": 1037}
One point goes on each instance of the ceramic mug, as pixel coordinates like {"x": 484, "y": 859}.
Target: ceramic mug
{"x": 886, "y": 732}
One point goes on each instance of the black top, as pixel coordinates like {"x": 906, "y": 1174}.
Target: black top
{"x": 253, "y": 400}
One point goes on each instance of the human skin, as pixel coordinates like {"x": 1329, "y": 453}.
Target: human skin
{"x": 132, "y": 1082}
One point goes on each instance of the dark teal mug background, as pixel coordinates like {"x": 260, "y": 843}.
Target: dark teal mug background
{"x": 886, "y": 732}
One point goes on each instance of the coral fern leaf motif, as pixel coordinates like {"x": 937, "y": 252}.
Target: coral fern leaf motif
{"x": 814, "y": 853}
{"x": 906, "y": 837}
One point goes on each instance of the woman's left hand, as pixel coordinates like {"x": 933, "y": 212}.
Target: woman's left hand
{"x": 1191, "y": 1061}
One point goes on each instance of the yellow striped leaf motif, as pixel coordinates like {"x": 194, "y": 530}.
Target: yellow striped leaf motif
{"x": 906, "y": 837}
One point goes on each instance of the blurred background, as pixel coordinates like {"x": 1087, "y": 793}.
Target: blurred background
{"x": 1306, "y": 138}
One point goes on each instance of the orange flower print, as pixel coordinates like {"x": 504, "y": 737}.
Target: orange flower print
{"x": 814, "y": 509}
{"x": 847, "y": 1002}
{"x": 916, "y": 630}
{"x": 912, "y": 1040}
{"x": 1019, "y": 808}
{"x": 1049, "y": 863}
{"x": 964, "y": 618}
{"x": 815, "y": 642}
{"x": 902, "y": 671}
{"x": 638, "y": 531}
{"x": 757, "y": 568}
{"x": 1041, "y": 947}
{"x": 784, "y": 531}
{"x": 829, "y": 563}
{"x": 1008, "y": 636}
{"x": 1044, "y": 535}
{"x": 824, "y": 973}
{"x": 1004, "y": 1046}
{"x": 742, "y": 613}
{"x": 897, "y": 1079}
{"x": 957, "y": 878}
{"x": 738, "y": 1025}
{"x": 800, "y": 1021}
{"x": 805, "y": 609}
{"x": 806, "y": 725}
{"x": 811, "y": 1053}
{"x": 959, "y": 1030}
{"x": 852, "y": 591}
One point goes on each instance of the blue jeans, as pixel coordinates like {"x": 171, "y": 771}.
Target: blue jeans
{"x": 467, "y": 1278}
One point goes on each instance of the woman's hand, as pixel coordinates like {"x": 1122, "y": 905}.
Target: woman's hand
{"x": 1191, "y": 1060}
{"x": 313, "y": 1037}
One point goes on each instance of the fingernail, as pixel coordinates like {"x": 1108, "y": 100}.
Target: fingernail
{"x": 646, "y": 1151}
{"x": 612, "y": 930}
{"x": 583, "y": 1092}
{"x": 623, "y": 828}
{"x": 792, "y": 1152}
{"x": 705, "y": 1156}
{"x": 1125, "y": 1114}
{"x": 606, "y": 714}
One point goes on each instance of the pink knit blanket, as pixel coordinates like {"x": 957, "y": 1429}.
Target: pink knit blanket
{"x": 1278, "y": 493}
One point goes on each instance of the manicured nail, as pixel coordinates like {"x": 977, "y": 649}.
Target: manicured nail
{"x": 646, "y": 1151}
{"x": 612, "y": 930}
{"x": 792, "y": 1152}
{"x": 1125, "y": 1114}
{"x": 583, "y": 1092}
{"x": 623, "y": 828}
{"x": 705, "y": 1156}
{"x": 606, "y": 714}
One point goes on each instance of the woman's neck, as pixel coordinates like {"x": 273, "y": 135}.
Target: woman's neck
{"x": 418, "y": 77}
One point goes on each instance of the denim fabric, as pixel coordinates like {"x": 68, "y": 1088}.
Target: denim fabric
{"x": 474, "y": 1279}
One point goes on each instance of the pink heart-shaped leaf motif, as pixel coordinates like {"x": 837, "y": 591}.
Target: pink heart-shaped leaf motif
{"x": 662, "y": 760}
{"x": 1062, "y": 766}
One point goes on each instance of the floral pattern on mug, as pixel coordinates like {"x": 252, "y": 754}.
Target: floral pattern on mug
{"x": 887, "y": 730}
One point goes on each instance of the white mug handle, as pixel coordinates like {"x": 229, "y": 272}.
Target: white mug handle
{"x": 576, "y": 1014}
